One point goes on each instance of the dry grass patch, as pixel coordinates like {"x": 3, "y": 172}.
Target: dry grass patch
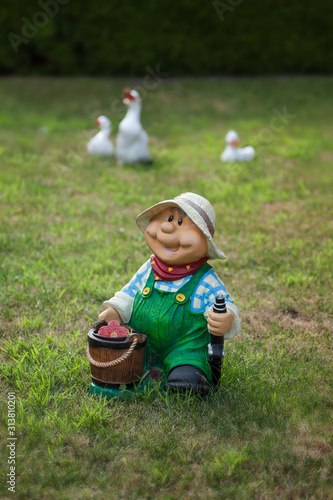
{"x": 220, "y": 105}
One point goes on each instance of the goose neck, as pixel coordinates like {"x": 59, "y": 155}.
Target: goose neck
{"x": 134, "y": 112}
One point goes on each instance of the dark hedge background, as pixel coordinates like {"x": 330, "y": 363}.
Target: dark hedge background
{"x": 193, "y": 37}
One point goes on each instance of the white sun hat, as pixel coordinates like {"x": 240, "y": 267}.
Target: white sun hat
{"x": 199, "y": 210}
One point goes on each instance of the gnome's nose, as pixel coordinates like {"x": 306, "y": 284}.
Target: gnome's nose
{"x": 167, "y": 227}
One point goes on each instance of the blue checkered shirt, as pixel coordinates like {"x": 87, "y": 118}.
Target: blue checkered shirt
{"x": 204, "y": 295}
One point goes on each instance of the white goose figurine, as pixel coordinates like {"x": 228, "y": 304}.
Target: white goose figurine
{"x": 232, "y": 153}
{"x": 132, "y": 140}
{"x": 100, "y": 144}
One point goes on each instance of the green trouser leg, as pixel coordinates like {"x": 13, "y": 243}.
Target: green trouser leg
{"x": 177, "y": 335}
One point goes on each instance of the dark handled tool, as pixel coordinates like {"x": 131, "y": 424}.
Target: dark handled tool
{"x": 215, "y": 348}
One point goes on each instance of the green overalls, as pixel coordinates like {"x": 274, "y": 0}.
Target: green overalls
{"x": 177, "y": 335}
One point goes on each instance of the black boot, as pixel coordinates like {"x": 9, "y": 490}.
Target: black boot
{"x": 188, "y": 378}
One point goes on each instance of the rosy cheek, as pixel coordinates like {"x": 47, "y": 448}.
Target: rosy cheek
{"x": 189, "y": 238}
{"x": 151, "y": 229}
{"x": 195, "y": 243}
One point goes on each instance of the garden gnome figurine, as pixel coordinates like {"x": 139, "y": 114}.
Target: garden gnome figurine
{"x": 100, "y": 144}
{"x": 232, "y": 152}
{"x": 170, "y": 298}
{"x": 132, "y": 140}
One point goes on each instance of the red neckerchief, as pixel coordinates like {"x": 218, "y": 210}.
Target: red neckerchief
{"x": 166, "y": 272}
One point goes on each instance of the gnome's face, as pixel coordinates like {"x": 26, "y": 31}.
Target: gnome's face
{"x": 174, "y": 238}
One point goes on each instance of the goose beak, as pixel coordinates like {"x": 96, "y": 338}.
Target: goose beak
{"x": 128, "y": 95}
{"x": 97, "y": 122}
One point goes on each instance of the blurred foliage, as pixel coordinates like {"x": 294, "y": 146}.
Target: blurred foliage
{"x": 68, "y": 37}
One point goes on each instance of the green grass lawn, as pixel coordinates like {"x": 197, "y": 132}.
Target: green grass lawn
{"x": 69, "y": 241}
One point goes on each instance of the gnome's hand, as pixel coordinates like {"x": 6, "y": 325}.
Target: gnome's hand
{"x": 219, "y": 324}
{"x": 110, "y": 314}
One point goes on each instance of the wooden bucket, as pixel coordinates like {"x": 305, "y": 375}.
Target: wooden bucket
{"x": 116, "y": 362}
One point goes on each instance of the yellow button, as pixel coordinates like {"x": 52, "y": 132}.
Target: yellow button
{"x": 170, "y": 269}
{"x": 188, "y": 267}
{"x": 146, "y": 291}
{"x": 180, "y": 297}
